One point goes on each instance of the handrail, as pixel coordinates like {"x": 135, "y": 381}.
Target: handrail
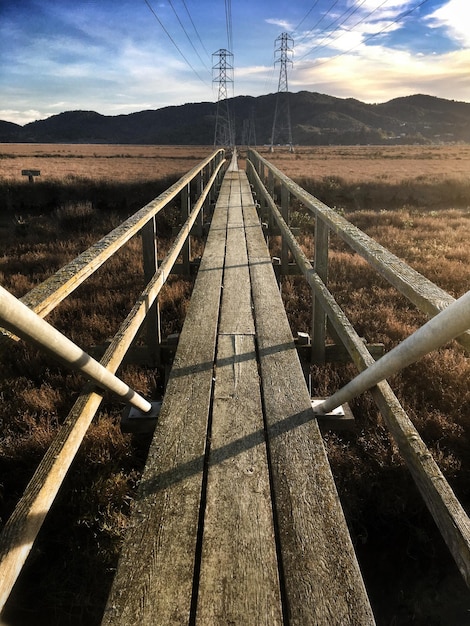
{"x": 448, "y": 513}
{"x": 22, "y": 528}
{"x": 427, "y": 296}
{"x": 435, "y": 333}
{"x": 43, "y": 298}
{"x": 16, "y": 316}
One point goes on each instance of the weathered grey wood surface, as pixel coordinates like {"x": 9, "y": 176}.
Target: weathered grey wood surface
{"x": 46, "y": 296}
{"x": 154, "y": 582}
{"x": 247, "y": 529}
{"x": 427, "y": 296}
{"x": 323, "y": 584}
{"x": 239, "y": 573}
{"x": 448, "y": 513}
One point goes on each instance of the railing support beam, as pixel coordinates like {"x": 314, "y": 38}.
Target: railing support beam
{"x": 185, "y": 212}
{"x": 150, "y": 256}
{"x": 318, "y": 314}
{"x": 285, "y": 197}
{"x": 448, "y": 324}
{"x": 17, "y": 318}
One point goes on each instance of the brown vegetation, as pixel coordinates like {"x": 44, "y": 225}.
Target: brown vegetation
{"x": 365, "y": 164}
{"x": 98, "y": 162}
{"x": 404, "y": 559}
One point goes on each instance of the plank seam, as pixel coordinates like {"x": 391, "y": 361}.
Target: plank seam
{"x": 274, "y": 508}
{"x": 205, "y": 472}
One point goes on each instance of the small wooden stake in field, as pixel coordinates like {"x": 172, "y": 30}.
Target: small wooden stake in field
{"x": 31, "y": 174}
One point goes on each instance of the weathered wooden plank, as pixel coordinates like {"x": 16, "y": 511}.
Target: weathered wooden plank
{"x": 323, "y": 584}
{"x": 239, "y": 575}
{"x": 427, "y": 296}
{"x": 236, "y": 314}
{"x": 446, "y": 510}
{"x": 154, "y": 581}
{"x": 239, "y": 579}
{"x": 23, "y": 526}
{"x": 448, "y": 513}
{"x": 44, "y": 297}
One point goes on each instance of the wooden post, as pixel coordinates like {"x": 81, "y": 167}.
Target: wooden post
{"x": 285, "y": 197}
{"x": 150, "y": 257}
{"x": 199, "y": 189}
{"x": 31, "y": 174}
{"x": 270, "y": 189}
{"x": 253, "y": 158}
{"x": 185, "y": 211}
{"x": 263, "y": 210}
{"x": 270, "y": 186}
{"x": 318, "y": 314}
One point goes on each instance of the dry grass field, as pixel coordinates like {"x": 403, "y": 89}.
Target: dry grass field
{"x": 413, "y": 200}
{"x": 98, "y": 162}
{"x": 393, "y": 164}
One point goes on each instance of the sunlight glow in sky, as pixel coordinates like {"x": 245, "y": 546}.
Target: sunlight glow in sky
{"x": 114, "y": 57}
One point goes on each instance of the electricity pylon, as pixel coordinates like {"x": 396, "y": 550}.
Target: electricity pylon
{"x": 249, "y": 130}
{"x": 224, "y": 135}
{"x": 282, "y": 130}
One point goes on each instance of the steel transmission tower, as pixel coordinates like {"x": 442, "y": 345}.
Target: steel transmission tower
{"x": 249, "y": 130}
{"x": 223, "y": 72}
{"x": 282, "y": 130}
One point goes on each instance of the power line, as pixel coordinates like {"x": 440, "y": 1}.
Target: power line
{"x": 355, "y": 9}
{"x": 228, "y": 20}
{"x": 305, "y": 16}
{"x": 174, "y": 42}
{"x": 270, "y": 80}
{"x": 399, "y": 17}
{"x": 186, "y": 33}
{"x": 195, "y": 29}
{"x": 319, "y": 21}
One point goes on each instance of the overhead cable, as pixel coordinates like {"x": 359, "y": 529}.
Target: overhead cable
{"x": 319, "y": 21}
{"x": 327, "y": 36}
{"x": 174, "y": 42}
{"x": 186, "y": 33}
{"x": 399, "y": 17}
{"x": 228, "y": 20}
{"x": 195, "y": 29}
{"x": 305, "y": 17}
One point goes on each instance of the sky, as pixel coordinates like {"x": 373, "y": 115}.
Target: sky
{"x": 120, "y": 56}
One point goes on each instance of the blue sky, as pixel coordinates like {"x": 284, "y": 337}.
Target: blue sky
{"x": 115, "y": 57}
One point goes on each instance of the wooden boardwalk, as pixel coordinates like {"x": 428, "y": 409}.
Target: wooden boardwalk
{"x": 237, "y": 519}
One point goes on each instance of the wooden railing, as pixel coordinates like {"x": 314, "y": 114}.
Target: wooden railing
{"x": 445, "y": 508}
{"x": 25, "y": 522}
{"x": 23, "y": 526}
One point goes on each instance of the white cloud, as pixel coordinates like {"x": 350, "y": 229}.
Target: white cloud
{"x": 453, "y": 18}
{"x": 21, "y": 117}
{"x": 287, "y": 26}
{"x": 382, "y": 74}
{"x": 371, "y": 19}
{"x": 390, "y": 11}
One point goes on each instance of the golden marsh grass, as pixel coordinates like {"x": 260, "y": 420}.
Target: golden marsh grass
{"x": 414, "y": 200}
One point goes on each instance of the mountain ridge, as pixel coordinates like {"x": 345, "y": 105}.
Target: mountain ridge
{"x": 316, "y": 119}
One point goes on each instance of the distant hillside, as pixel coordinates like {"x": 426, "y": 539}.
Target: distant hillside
{"x": 316, "y": 119}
